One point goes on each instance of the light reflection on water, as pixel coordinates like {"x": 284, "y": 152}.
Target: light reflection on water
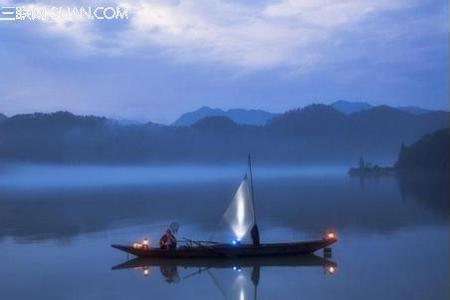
{"x": 55, "y": 237}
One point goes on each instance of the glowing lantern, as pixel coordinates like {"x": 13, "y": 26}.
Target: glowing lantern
{"x": 330, "y": 235}
{"x": 137, "y": 246}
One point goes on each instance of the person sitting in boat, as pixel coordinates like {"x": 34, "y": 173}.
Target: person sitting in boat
{"x": 168, "y": 241}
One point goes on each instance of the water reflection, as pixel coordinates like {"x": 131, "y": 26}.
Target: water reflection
{"x": 243, "y": 274}
{"x": 431, "y": 191}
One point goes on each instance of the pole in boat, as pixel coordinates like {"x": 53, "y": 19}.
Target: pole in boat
{"x": 254, "y": 232}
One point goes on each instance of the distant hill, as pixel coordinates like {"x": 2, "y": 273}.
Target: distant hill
{"x": 428, "y": 155}
{"x": 414, "y": 110}
{"x": 239, "y": 116}
{"x": 423, "y": 171}
{"x": 321, "y": 131}
{"x": 316, "y": 133}
{"x": 2, "y": 117}
{"x": 261, "y": 117}
{"x": 348, "y": 107}
{"x": 218, "y": 123}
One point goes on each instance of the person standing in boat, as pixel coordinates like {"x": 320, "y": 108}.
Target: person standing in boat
{"x": 168, "y": 241}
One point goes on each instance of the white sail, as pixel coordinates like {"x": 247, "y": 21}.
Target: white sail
{"x": 240, "y": 215}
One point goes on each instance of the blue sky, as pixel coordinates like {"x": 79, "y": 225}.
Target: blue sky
{"x": 173, "y": 56}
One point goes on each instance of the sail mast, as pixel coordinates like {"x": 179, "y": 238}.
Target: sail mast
{"x": 251, "y": 187}
{"x": 254, "y": 232}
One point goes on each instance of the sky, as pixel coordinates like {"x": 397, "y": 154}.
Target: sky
{"x": 172, "y": 56}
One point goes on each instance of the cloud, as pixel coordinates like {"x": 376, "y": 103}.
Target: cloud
{"x": 271, "y": 35}
{"x": 302, "y": 34}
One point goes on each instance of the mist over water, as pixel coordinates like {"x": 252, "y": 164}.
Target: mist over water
{"x": 57, "y": 224}
{"x": 60, "y": 176}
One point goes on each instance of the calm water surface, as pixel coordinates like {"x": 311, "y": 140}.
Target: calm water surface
{"x": 57, "y": 224}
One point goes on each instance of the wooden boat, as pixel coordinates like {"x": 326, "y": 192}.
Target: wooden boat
{"x": 203, "y": 250}
{"x": 242, "y": 217}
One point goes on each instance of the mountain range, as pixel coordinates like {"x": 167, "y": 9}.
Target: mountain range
{"x": 348, "y": 107}
{"x": 240, "y": 116}
{"x": 261, "y": 117}
{"x": 316, "y": 133}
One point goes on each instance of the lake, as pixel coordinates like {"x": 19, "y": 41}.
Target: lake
{"x": 57, "y": 224}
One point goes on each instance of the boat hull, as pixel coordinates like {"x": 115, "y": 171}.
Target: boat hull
{"x": 230, "y": 251}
